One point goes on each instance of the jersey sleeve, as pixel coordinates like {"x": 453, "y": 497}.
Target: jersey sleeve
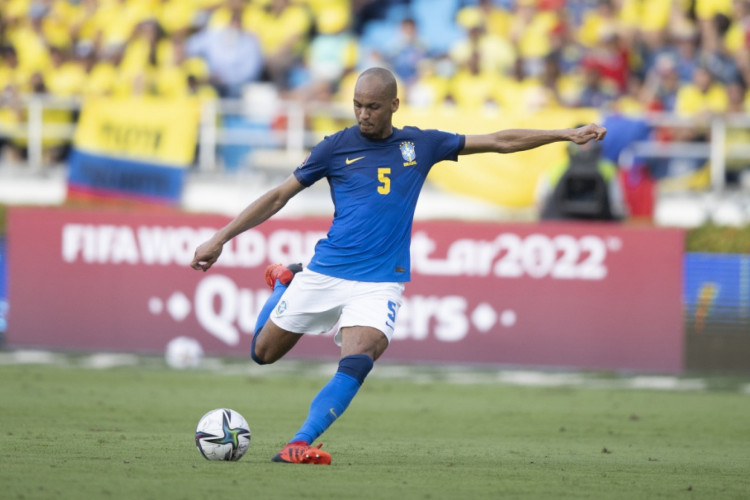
{"x": 446, "y": 145}
{"x": 315, "y": 166}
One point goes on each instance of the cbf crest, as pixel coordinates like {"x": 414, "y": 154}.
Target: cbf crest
{"x": 408, "y": 153}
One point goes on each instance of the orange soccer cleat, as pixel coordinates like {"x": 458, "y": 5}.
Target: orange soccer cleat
{"x": 283, "y": 273}
{"x": 300, "y": 452}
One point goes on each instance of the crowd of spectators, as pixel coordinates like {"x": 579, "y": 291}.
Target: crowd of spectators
{"x": 684, "y": 56}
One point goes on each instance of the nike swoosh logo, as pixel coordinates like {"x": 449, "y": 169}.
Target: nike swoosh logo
{"x": 349, "y": 162}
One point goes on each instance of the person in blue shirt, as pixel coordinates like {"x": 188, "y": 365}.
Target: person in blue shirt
{"x": 356, "y": 277}
{"x": 234, "y": 55}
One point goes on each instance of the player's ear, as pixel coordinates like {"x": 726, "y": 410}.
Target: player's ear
{"x": 394, "y": 105}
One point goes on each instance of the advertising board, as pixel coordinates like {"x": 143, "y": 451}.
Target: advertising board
{"x": 591, "y": 296}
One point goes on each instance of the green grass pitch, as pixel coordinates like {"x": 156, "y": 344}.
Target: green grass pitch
{"x": 69, "y": 431}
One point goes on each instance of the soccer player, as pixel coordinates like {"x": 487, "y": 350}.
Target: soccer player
{"x": 357, "y": 274}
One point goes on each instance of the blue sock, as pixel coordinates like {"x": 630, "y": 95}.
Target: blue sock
{"x": 334, "y": 397}
{"x": 265, "y": 313}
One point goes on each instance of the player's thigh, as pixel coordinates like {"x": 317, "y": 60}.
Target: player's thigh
{"x": 373, "y": 305}
{"x": 311, "y": 305}
{"x": 368, "y": 318}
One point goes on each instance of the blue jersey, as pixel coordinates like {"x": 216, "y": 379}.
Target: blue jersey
{"x": 375, "y": 184}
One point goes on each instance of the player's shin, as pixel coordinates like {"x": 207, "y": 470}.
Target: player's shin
{"x": 334, "y": 398}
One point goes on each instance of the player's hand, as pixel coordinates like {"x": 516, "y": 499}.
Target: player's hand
{"x": 592, "y": 131}
{"x": 206, "y": 255}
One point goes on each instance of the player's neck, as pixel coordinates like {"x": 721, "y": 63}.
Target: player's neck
{"x": 378, "y": 137}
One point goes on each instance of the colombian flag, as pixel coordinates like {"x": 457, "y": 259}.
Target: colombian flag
{"x": 133, "y": 150}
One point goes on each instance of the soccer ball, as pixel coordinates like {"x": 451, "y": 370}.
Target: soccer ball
{"x": 183, "y": 352}
{"x": 222, "y": 434}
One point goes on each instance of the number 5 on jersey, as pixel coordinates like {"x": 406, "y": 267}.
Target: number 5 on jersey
{"x": 384, "y": 180}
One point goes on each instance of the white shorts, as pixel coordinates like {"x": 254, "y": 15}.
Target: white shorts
{"x": 314, "y": 303}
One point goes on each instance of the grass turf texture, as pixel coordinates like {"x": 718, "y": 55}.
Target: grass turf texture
{"x": 72, "y": 432}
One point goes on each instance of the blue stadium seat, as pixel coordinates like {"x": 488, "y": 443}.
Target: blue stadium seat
{"x": 235, "y": 156}
{"x": 380, "y": 35}
{"x": 397, "y": 13}
{"x": 436, "y": 23}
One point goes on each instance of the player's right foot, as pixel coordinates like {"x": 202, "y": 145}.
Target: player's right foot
{"x": 300, "y": 452}
{"x": 283, "y": 273}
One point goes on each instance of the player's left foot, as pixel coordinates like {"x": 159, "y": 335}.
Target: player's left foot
{"x": 283, "y": 273}
{"x": 300, "y": 452}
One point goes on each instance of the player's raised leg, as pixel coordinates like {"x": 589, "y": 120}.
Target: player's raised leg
{"x": 278, "y": 277}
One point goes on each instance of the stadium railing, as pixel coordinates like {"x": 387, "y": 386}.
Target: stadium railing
{"x": 265, "y": 146}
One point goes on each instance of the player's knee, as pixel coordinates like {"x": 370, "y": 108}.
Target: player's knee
{"x": 257, "y": 358}
{"x": 255, "y": 355}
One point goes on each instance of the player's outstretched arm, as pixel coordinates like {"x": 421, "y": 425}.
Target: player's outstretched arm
{"x": 257, "y": 212}
{"x": 512, "y": 140}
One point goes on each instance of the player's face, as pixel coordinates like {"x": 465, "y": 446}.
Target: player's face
{"x": 374, "y": 108}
